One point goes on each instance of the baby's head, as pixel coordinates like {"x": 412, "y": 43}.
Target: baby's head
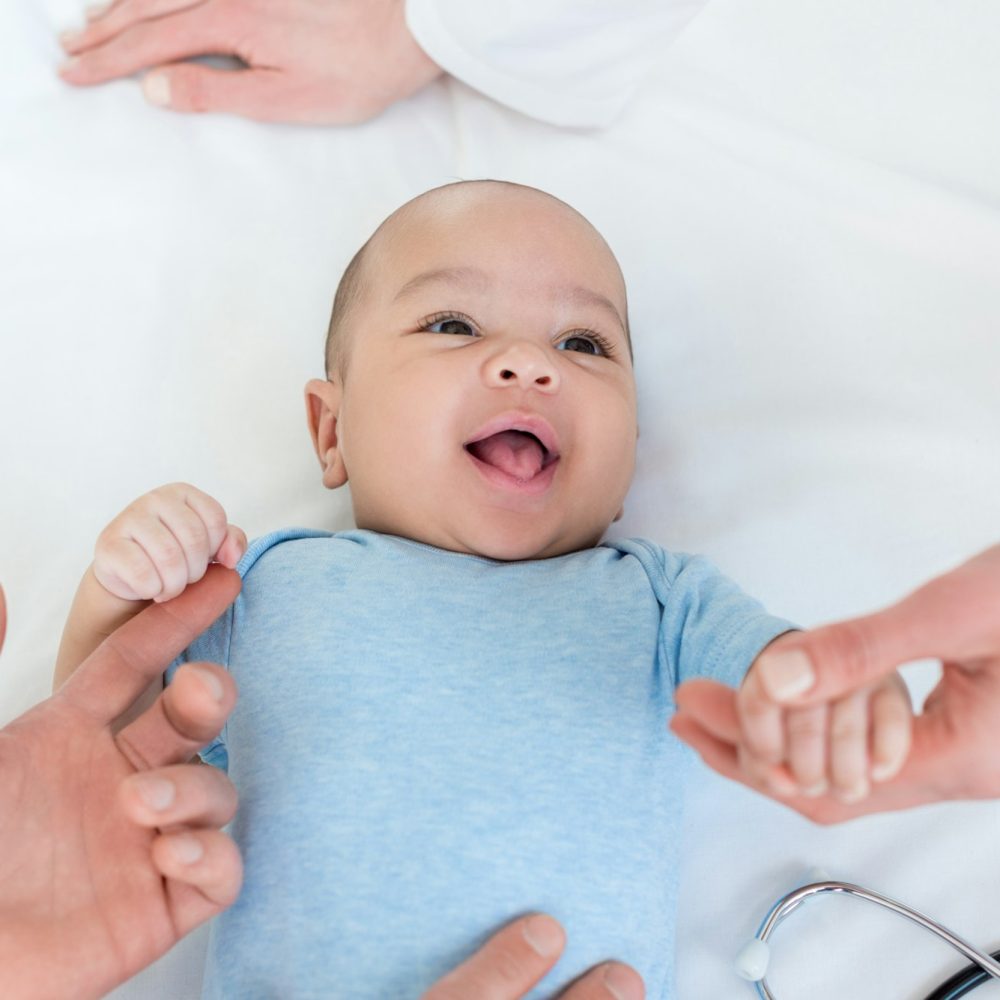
{"x": 480, "y": 394}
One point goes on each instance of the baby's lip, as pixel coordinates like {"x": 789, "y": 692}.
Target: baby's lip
{"x": 518, "y": 420}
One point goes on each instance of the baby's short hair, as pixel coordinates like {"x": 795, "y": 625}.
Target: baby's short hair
{"x": 354, "y": 281}
{"x": 350, "y": 291}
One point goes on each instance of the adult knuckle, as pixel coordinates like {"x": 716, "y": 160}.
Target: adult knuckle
{"x": 853, "y": 647}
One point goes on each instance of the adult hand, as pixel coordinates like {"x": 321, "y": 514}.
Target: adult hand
{"x": 519, "y": 955}
{"x": 92, "y": 890}
{"x": 955, "y": 754}
{"x": 324, "y": 62}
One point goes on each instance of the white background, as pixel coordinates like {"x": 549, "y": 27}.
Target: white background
{"x": 804, "y": 200}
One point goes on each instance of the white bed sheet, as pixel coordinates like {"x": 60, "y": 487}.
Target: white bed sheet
{"x": 804, "y": 202}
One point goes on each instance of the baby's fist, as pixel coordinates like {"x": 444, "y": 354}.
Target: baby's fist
{"x": 163, "y": 541}
{"x": 841, "y": 745}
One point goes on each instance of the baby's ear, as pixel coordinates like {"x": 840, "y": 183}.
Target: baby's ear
{"x": 322, "y": 412}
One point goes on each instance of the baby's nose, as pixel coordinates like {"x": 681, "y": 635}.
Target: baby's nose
{"x": 524, "y": 365}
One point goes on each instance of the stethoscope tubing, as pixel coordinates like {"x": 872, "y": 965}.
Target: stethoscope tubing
{"x": 986, "y": 965}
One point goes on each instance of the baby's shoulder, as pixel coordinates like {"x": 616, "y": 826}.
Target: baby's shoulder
{"x": 281, "y": 546}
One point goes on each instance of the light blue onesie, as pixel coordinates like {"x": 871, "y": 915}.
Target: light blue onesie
{"x": 429, "y": 744}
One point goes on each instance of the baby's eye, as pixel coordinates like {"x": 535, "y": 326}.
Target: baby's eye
{"x": 586, "y": 344}
{"x": 450, "y": 324}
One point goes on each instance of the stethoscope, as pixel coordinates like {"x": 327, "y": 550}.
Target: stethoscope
{"x": 752, "y": 961}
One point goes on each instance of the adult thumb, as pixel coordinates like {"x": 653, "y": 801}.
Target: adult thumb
{"x": 953, "y": 617}
{"x": 802, "y": 668}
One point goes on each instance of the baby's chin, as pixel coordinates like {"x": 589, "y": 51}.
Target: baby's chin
{"x": 504, "y": 545}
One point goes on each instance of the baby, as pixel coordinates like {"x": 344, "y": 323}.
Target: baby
{"x": 457, "y": 713}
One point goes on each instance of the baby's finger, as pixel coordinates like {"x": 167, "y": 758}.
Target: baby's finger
{"x": 849, "y": 747}
{"x": 165, "y": 552}
{"x": 232, "y": 549}
{"x": 892, "y": 728}
{"x": 192, "y": 536}
{"x": 805, "y": 734}
{"x": 212, "y": 514}
{"x": 123, "y": 567}
{"x": 761, "y": 721}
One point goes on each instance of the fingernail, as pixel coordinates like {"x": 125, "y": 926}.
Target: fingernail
{"x": 187, "y": 849}
{"x": 69, "y": 64}
{"x": 156, "y": 87}
{"x": 815, "y": 791}
{"x": 620, "y": 984}
{"x": 157, "y": 793}
{"x": 855, "y": 794}
{"x": 96, "y": 10}
{"x": 543, "y": 934}
{"x": 886, "y": 770}
{"x": 783, "y": 787}
{"x": 786, "y": 673}
{"x": 211, "y": 682}
{"x": 69, "y": 37}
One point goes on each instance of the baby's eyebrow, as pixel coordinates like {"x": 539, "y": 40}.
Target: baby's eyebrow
{"x": 474, "y": 277}
{"x": 461, "y": 276}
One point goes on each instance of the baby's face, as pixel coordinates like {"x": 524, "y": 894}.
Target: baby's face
{"x": 489, "y": 403}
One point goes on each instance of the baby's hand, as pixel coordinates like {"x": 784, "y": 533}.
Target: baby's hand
{"x": 163, "y": 541}
{"x": 840, "y": 746}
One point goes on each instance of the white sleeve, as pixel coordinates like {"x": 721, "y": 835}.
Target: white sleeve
{"x": 567, "y": 62}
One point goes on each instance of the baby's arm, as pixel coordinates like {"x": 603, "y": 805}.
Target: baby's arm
{"x": 150, "y": 552}
{"x": 840, "y": 746}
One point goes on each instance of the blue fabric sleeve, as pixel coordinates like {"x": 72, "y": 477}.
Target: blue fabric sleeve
{"x": 709, "y": 626}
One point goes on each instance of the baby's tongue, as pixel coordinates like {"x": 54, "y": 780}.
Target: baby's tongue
{"x": 514, "y": 452}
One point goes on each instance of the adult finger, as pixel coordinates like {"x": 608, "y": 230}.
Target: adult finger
{"x": 200, "y": 30}
{"x": 109, "y": 20}
{"x": 713, "y": 705}
{"x": 719, "y": 754}
{"x": 124, "y": 665}
{"x": 508, "y": 965}
{"x": 951, "y": 617}
{"x": 261, "y": 94}
{"x": 185, "y": 717}
{"x": 610, "y": 981}
{"x": 204, "y": 873}
{"x": 182, "y": 795}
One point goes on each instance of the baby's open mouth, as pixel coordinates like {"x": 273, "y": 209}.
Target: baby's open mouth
{"x": 517, "y": 453}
